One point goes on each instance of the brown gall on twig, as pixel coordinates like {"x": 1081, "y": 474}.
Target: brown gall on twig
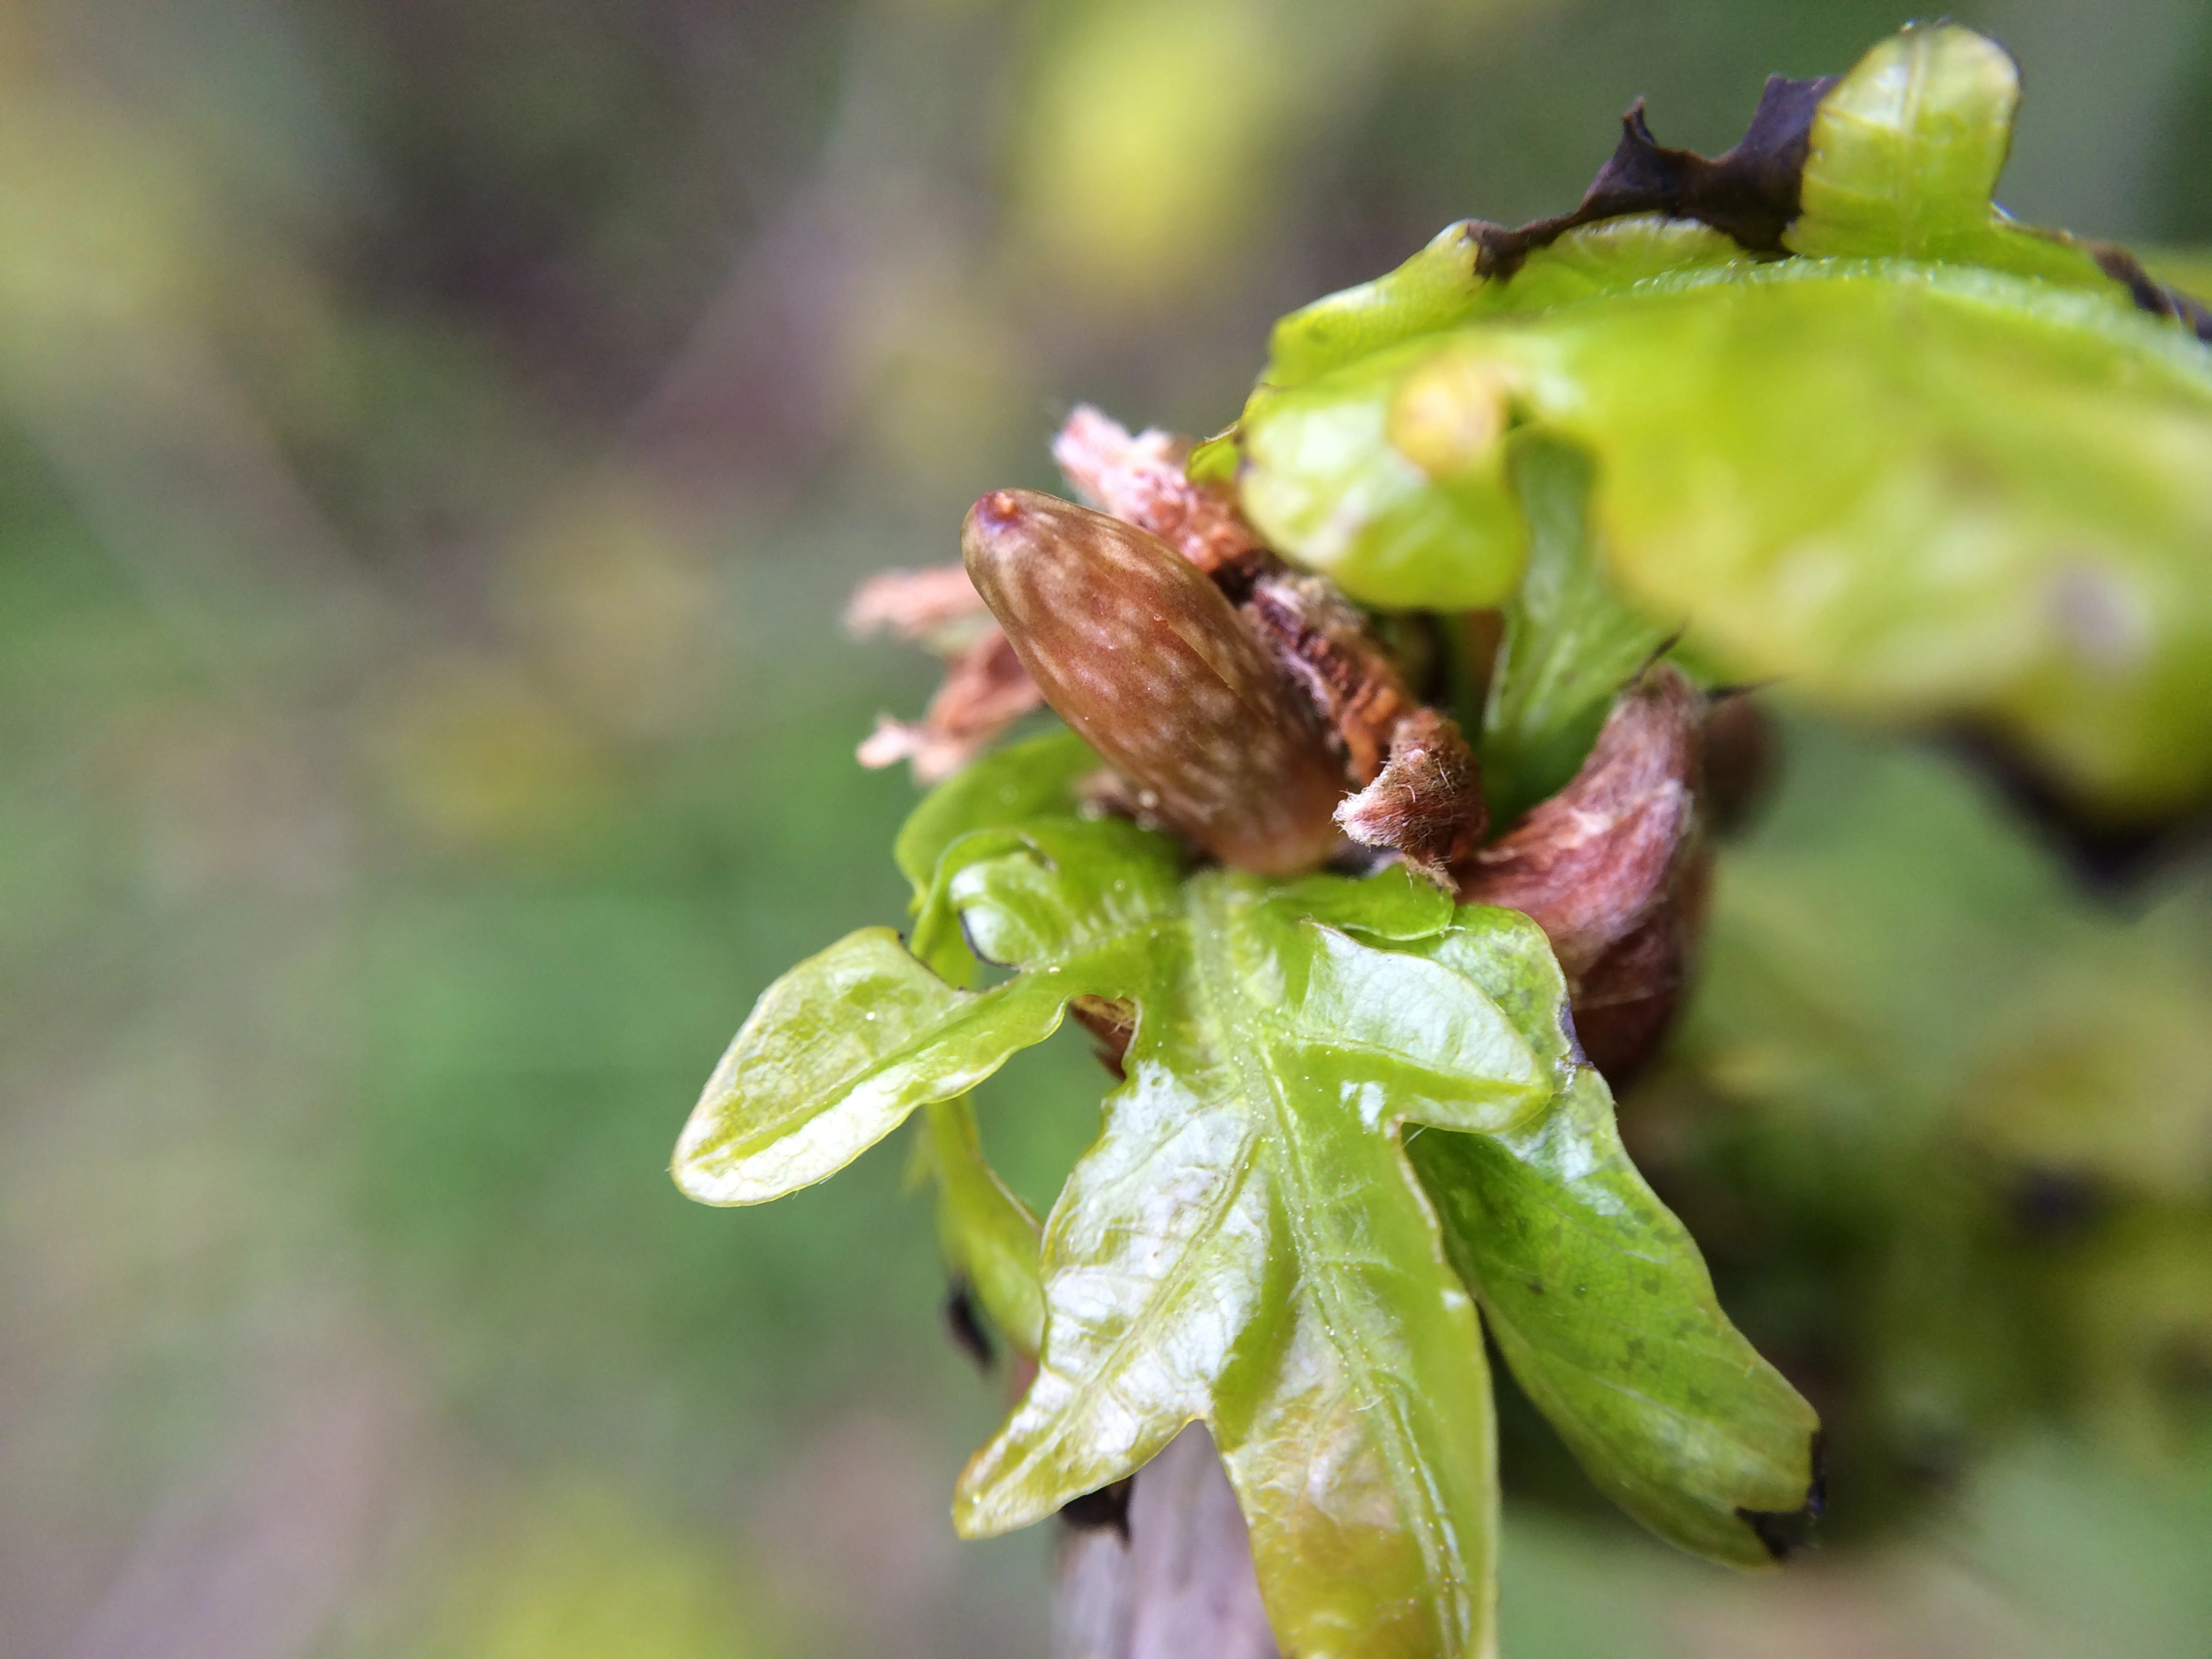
{"x": 1137, "y": 650}
{"x": 1611, "y": 870}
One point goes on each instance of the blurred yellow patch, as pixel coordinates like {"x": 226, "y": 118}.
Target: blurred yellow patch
{"x": 619, "y": 607}
{"x": 475, "y": 754}
{"x": 99, "y": 229}
{"x": 580, "y": 1574}
{"x": 1145, "y": 152}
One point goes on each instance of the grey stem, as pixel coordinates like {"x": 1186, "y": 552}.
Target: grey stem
{"x": 1178, "y": 1585}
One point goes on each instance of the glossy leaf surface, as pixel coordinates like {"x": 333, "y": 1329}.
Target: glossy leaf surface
{"x": 1903, "y": 158}
{"x": 1247, "y": 1242}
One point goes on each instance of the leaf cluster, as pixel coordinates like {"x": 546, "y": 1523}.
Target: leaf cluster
{"x": 1353, "y": 1115}
{"x": 1918, "y": 459}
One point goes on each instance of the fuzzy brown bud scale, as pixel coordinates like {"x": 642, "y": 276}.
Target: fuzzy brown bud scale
{"x": 1137, "y": 650}
{"x": 1426, "y": 800}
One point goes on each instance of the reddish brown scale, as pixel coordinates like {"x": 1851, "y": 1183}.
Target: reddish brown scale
{"x": 1627, "y": 1000}
{"x": 1133, "y": 648}
{"x": 1325, "y": 644}
{"x": 1592, "y": 862}
{"x": 1609, "y": 868}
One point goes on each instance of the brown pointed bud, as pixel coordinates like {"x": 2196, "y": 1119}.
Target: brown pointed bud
{"x": 1133, "y": 648}
{"x": 1601, "y": 866}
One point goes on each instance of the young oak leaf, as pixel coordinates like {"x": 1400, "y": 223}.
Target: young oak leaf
{"x": 1246, "y": 1242}
{"x": 1928, "y": 466}
{"x": 1898, "y": 158}
{"x": 1597, "y": 1297}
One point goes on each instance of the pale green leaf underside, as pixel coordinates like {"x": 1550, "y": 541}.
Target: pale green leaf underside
{"x": 1939, "y": 465}
{"x": 1911, "y": 490}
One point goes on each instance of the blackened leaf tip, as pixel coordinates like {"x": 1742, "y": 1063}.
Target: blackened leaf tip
{"x": 1750, "y": 192}
{"x": 1784, "y": 1532}
{"x": 964, "y": 1320}
{"x": 1096, "y": 1512}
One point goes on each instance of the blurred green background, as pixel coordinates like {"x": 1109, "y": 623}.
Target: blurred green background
{"x": 434, "y": 440}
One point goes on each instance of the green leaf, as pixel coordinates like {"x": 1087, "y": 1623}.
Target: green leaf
{"x": 1439, "y": 288}
{"x": 987, "y": 1235}
{"x": 1903, "y": 156}
{"x": 834, "y": 1056}
{"x": 1247, "y": 1242}
{"x": 1570, "y": 644}
{"x": 1596, "y": 1295}
{"x": 1914, "y": 491}
{"x": 1604, "y": 1309}
{"x": 1033, "y": 778}
{"x": 1937, "y": 466}
{"x": 843, "y": 1047}
{"x": 1325, "y": 483}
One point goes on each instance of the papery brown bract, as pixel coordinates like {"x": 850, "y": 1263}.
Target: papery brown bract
{"x": 1136, "y": 649}
{"x": 1323, "y": 640}
{"x": 1141, "y": 480}
{"x": 1426, "y": 801}
{"x": 985, "y": 690}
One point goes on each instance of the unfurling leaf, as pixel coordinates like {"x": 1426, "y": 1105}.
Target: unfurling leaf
{"x": 1929, "y": 464}
{"x": 1249, "y": 1243}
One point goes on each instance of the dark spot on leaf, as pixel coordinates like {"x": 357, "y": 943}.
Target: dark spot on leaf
{"x": 1784, "y": 1532}
{"x": 2055, "y": 1204}
{"x": 1535, "y": 1287}
{"x": 1095, "y": 1512}
{"x": 964, "y": 1320}
{"x": 1749, "y": 193}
